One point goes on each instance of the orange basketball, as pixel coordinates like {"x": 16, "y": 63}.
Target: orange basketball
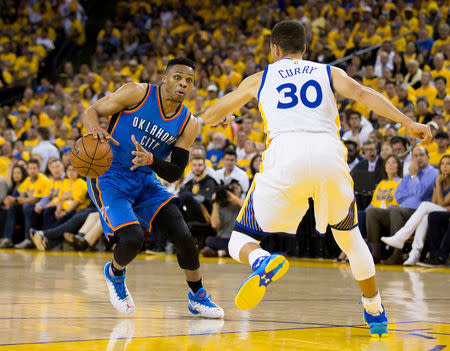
{"x": 90, "y": 157}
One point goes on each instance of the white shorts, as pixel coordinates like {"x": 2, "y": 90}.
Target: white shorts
{"x": 295, "y": 167}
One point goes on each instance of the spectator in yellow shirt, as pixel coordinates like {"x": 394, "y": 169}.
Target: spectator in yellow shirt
{"x": 426, "y": 89}
{"x": 440, "y": 83}
{"x": 72, "y": 196}
{"x": 442, "y": 142}
{"x": 47, "y": 204}
{"x": 444, "y": 39}
{"x": 28, "y": 194}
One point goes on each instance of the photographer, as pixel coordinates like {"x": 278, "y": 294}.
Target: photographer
{"x": 226, "y": 206}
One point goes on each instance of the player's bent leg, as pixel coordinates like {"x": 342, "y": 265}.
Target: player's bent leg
{"x": 363, "y": 269}
{"x": 129, "y": 243}
{"x": 266, "y": 268}
{"x": 170, "y": 222}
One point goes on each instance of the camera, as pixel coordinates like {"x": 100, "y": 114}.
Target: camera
{"x": 221, "y": 194}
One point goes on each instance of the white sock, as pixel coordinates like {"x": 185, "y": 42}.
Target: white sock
{"x": 372, "y": 304}
{"x": 255, "y": 254}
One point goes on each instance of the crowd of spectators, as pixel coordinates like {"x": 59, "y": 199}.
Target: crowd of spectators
{"x": 407, "y": 60}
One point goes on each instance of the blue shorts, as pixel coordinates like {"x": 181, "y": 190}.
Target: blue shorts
{"x": 127, "y": 197}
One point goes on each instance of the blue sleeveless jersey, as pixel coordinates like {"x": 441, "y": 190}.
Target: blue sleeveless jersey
{"x": 154, "y": 131}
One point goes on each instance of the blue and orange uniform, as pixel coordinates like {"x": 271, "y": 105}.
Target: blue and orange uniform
{"x": 125, "y": 197}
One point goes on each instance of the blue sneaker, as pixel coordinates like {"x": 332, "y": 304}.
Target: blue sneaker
{"x": 118, "y": 291}
{"x": 378, "y": 324}
{"x": 265, "y": 270}
{"x": 201, "y": 304}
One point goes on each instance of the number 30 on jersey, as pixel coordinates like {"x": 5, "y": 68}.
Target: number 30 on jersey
{"x": 289, "y": 92}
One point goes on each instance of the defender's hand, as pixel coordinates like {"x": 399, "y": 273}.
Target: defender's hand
{"x": 228, "y": 120}
{"x": 421, "y": 131}
{"x": 101, "y": 134}
{"x": 142, "y": 156}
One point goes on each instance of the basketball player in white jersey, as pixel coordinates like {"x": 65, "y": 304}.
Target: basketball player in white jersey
{"x": 305, "y": 158}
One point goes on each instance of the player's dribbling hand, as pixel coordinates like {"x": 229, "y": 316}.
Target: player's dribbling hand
{"x": 141, "y": 156}
{"x": 101, "y": 134}
{"x": 421, "y": 131}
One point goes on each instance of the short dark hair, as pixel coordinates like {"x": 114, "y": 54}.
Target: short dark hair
{"x": 34, "y": 161}
{"x": 399, "y": 139}
{"x": 441, "y": 135}
{"x": 289, "y": 36}
{"x": 229, "y": 152}
{"x": 44, "y": 132}
{"x": 440, "y": 78}
{"x": 180, "y": 61}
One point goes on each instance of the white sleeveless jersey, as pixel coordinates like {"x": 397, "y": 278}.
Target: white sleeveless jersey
{"x": 295, "y": 96}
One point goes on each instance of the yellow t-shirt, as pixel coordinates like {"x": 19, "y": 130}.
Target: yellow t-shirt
{"x": 53, "y": 190}
{"x": 383, "y": 196}
{"x": 37, "y": 188}
{"x": 4, "y": 161}
{"x": 429, "y": 92}
{"x": 435, "y": 157}
{"x": 76, "y": 191}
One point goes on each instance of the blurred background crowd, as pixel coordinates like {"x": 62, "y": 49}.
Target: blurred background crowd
{"x": 57, "y": 57}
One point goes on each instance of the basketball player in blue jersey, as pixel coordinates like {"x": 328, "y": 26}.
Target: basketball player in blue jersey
{"x": 304, "y": 158}
{"x": 148, "y": 124}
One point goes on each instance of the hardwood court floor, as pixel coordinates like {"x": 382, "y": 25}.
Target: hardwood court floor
{"x": 59, "y": 301}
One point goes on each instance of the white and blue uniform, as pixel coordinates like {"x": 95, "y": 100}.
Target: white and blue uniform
{"x": 305, "y": 157}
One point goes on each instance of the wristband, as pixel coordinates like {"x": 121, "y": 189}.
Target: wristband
{"x": 94, "y": 129}
{"x": 150, "y": 161}
{"x": 218, "y": 124}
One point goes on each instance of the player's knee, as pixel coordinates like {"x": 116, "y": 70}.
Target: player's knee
{"x": 237, "y": 242}
{"x": 129, "y": 244}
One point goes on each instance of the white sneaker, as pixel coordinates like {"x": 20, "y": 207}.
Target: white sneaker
{"x": 413, "y": 258}
{"x": 393, "y": 241}
{"x": 201, "y": 304}
{"x": 118, "y": 292}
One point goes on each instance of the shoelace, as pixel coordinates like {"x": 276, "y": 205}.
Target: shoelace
{"x": 120, "y": 289}
{"x": 207, "y": 298}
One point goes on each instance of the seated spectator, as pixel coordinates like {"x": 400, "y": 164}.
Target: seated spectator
{"x": 353, "y": 156}
{"x": 255, "y": 166}
{"x": 401, "y": 148}
{"x": 373, "y": 162}
{"x": 412, "y": 190}
{"x": 440, "y": 83}
{"x": 22, "y": 202}
{"x": 49, "y": 238}
{"x": 418, "y": 222}
{"x": 72, "y": 196}
{"x": 357, "y": 128}
{"x": 231, "y": 171}
{"x": 47, "y": 205}
{"x": 215, "y": 154}
{"x": 383, "y": 198}
{"x": 226, "y": 206}
{"x": 45, "y": 148}
{"x": 250, "y": 152}
{"x": 88, "y": 235}
{"x": 17, "y": 176}
{"x": 442, "y": 142}
{"x": 439, "y": 239}
{"x": 197, "y": 151}
{"x": 198, "y": 191}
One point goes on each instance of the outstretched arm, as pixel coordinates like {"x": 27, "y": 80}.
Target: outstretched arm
{"x": 129, "y": 95}
{"x": 376, "y": 102}
{"x": 231, "y": 102}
